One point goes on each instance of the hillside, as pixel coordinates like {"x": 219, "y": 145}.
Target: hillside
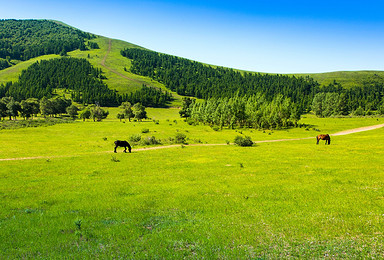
{"x": 25, "y": 39}
{"x": 104, "y": 53}
{"x": 107, "y": 57}
{"x": 347, "y": 79}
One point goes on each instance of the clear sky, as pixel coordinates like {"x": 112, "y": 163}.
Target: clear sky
{"x": 292, "y": 36}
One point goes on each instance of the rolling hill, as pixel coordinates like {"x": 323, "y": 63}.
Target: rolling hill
{"x": 117, "y": 69}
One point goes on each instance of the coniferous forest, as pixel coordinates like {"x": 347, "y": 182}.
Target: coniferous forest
{"x": 26, "y": 39}
{"x": 81, "y": 78}
{"x": 196, "y": 79}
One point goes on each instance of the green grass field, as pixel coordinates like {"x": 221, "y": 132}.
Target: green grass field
{"x": 273, "y": 200}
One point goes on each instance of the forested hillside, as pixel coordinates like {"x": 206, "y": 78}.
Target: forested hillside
{"x": 196, "y": 79}
{"x": 23, "y": 39}
{"x": 26, "y": 39}
{"x": 81, "y": 78}
{"x": 334, "y": 99}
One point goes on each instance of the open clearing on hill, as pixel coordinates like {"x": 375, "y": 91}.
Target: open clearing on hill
{"x": 102, "y": 63}
{"x": 346, "y": 132}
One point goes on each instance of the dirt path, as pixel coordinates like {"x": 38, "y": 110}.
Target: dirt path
{"x": 356, "y": 130}
{"x": 346, "y": 132}
{"x": 102, "y": 63}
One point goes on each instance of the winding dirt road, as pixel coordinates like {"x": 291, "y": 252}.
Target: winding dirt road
{"x": 346, "y": 132}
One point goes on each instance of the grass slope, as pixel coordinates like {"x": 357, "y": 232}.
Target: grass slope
{"x": 347, "y": 79}
{"x": 107, "y": 58}
{"x": 274, "y": 200}
{"x": 12, "y": 73}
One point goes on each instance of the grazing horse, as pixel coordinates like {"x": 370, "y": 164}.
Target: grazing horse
{"x": 326, "y": 137}
{"x": 124, "y": 144}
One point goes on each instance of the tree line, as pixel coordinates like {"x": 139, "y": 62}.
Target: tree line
{"x": 84, "y": 82}
{"x": 253, "y": 111}
{"x": 30, "y": 107}
{"x": 192, "y": 78}
{"x": 334, "y": 100}
{"x": 26, "y": 39}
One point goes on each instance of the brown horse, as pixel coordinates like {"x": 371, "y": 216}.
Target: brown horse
{"x": 326, "y": 137}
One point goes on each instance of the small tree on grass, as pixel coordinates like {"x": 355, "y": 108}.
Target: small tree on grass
{"x": 13, "y": 108}
{"x": 46, "y": 107}
{"x": 97, "y": 113}
{"x": 85, "y": 113}
{"x": 185, "y": 110}
{"x": 26, "y": 109}
{"x": 120, "y": 116}
{"x": 3, "y": 109}
{"x": 126, "y": 110}
{"x": 139, "y": 111}
{"x": 243, "y": 141}
{"x": 72, "y": 111}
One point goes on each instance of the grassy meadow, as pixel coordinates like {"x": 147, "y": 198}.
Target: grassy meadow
{"x": 273, "y": 200}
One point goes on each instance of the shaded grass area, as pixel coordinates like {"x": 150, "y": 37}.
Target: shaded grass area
{"x": 8, "y": 124}
{"x": 275, "y": 200}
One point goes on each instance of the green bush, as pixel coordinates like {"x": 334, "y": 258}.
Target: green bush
{"x": 150, "y": 140}
{"x": 180, "y": 138}
{"x": 190, "y": 121}
{"x": 135, "y": 138}
{"x": 145, "y": 130}
{"x": 243, "y": 141}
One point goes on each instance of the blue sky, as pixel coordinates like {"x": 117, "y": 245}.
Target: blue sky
{"x": 267, "y": 36}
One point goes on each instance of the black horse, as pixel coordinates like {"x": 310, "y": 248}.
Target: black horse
{"x": 124, "y": 144}
{"x": 326, "y": 137}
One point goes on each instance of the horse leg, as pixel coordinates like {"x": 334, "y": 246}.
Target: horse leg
{"x": 115, "y": 148}
{"x": 317, "y": 139}
{"x": 125, "y": 150}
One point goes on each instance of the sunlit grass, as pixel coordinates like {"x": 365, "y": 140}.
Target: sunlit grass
{"x": 274, "y": 200}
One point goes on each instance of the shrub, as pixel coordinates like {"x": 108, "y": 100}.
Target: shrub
{"x": 190, "y": 121}
{"x": 215, "y": 128}
{"x": 135, "y": 138}
{"x": 180, "y": 138}
{"x": 243, "y": 141}
{"x": 149, "y": 140}
{"x": 145, "y": 130}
